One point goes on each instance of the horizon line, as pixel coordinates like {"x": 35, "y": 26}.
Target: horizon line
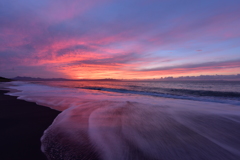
{"x": 200, "y": 77}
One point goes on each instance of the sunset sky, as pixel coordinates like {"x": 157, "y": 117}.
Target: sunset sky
{"x": 119, "y": 38}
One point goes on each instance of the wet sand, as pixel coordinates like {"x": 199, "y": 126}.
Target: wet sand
{"x": 22, "y": 125}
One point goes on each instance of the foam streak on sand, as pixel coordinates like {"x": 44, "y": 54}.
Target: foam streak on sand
{"x": 95, "y": 125}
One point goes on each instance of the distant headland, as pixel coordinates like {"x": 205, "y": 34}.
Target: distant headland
{"x": 2, "y": 79}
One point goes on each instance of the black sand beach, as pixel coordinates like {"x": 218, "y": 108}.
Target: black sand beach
{"x": 22, "y": 125}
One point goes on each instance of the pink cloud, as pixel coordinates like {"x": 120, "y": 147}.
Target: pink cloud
{"x": 60, "y": 35}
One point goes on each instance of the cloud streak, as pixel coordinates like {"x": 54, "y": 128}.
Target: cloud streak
{"x": 200, "y": 66}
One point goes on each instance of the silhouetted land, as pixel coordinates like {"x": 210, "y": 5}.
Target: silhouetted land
{"x": 2, "y": 79}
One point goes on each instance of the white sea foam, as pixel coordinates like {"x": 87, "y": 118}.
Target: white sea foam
{"x": 98, "y": 125}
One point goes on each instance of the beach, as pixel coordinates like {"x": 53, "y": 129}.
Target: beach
{"x": 22, "y": 125}
{"x": 113, "y": 121}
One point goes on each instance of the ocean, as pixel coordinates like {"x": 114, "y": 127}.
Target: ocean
{"x": 216, "y": 91}
{"x": 164, "y": 120}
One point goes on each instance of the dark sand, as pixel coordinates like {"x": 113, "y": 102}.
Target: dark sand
{"x": 22, "y": 125}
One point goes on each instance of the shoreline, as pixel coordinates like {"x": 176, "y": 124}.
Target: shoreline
{"x": 22, "y": 126}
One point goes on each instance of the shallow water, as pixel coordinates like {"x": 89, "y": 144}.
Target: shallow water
{"x": 109, "y": 125}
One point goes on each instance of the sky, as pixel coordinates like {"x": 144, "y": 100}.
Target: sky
{"x": 121, "y": 39}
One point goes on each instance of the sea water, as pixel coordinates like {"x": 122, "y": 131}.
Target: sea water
{"x": 139, "y": 120}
